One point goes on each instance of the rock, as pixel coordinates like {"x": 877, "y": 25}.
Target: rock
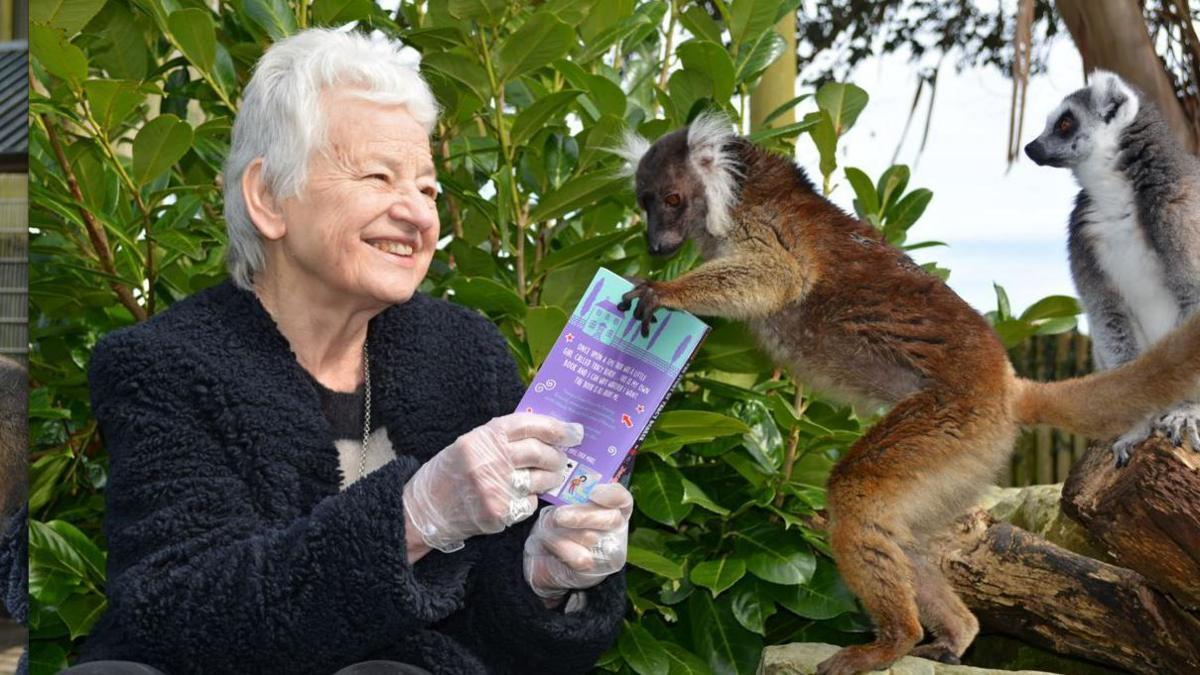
{"x": 802, "y": 658}
{"x": 1037, "y": 509}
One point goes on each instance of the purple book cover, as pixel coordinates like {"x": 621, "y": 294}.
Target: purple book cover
{"x": 604, "y": 375}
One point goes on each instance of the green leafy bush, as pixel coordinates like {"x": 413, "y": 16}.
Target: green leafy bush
{"x": 130, "y": 120}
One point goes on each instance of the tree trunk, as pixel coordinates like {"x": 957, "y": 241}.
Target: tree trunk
{"x": 1021, "y": 585}
{"x": 778, "y": 83}
{"x": 1112, "y": 35}
{"x": 1146, "y": 515}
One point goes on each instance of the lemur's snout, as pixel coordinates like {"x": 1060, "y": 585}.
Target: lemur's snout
{"x": 1036, "y": 152}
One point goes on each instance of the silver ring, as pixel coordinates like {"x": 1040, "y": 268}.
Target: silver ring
{"x": 522, "y": 480}
{"x": 519, "y": 509}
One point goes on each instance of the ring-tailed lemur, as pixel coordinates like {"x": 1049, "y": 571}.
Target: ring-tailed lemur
{"x": 1134, "y": 235}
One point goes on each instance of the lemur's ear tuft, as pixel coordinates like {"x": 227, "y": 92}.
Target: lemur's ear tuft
{"x": 710, "y": 156}
{"x": 1112, "y": 98}
{"x": 632, "y": 148}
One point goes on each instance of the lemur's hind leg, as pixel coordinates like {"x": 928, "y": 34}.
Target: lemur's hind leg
{"x": 877, "y": 570}
{"x": 913, "y": 472}
{"x": 942, "y": 612}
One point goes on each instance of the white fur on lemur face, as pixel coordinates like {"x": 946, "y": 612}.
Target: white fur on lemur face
{"x": 1087, "y": 125}
{"x": 686, "y": 181}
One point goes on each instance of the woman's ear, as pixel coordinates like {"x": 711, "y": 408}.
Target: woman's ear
{"x": 261, "y": 204}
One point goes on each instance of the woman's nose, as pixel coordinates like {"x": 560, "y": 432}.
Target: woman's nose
{"x": 415, "y": 207}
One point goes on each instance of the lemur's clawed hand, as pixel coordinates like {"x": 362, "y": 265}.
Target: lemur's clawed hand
{"x": 647, "y": 299}
{"x": 1123, "y": 447}
{"x": 1180, "y": 424}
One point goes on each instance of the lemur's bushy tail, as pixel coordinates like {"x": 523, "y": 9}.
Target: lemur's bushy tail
{"x": 1108, "y": 404}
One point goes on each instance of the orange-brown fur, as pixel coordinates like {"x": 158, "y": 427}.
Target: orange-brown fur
{"x": 827, "y": 296}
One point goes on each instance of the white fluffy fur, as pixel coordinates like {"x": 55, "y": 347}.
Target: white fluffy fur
{"x": 1106, "y": 86}
{"x": 633, "y": 147}
{"x": 1120, "y": 245}
{"x": 707, "y": 136}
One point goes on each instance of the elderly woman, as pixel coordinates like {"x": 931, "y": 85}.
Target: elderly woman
{"x": 314, "y": 466}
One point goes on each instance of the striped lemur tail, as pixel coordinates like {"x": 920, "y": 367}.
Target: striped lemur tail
{"x": 1110, "y": 403}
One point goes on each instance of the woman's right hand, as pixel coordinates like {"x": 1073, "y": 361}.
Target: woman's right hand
{"x": 488, "y": 478}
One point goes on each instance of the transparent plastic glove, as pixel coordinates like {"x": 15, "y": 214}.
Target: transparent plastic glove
{"x": 488, "y": 478}
{"x": 577, "y": 546}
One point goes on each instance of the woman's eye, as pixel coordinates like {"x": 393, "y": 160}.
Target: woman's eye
{"x": 672, "y": 199}
{"x": 379, "y": 176}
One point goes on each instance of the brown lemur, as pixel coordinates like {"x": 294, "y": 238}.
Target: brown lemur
{"x": 828, "y": 297}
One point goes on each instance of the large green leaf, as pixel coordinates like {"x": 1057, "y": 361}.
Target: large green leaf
{"x": 867, "y": 199}
{"x": 699, "y": 423}
{"x": 711, "y": 59}
{"x": 69, "y": 16}
{"x": 193, "y": 29}
{"x": 775, "y": 554}
{"x": 654, "y": 562}
{"x": 542, "y": 328}
{"x": 641, "y": 651}
{"x": 577, "y": 193}
{"x": 718, "y": 575}
{"x": 162, "y": 142}
{"x": 683, "y": 662}
{"x": 585, "y": 249}
{"x": 728, "y": 648}
{"x": 533, "y": 118}
{"x": 700, "y": 24}
{"x": 58, "y": 56}
{"x": 91, "y": 554}
{"x": 694, "y": 494}
{"x": 754, "y": 57}
{"x": 1052, "y": 307}
{"x": 753, "y": 605}
{"x": 461, "y": 69}
{"x": 658, "y": 491}
{"x": 843, "y": 102}
{"x": 49, "y": 550}
{"x": 749, "y": 18}
{"x": 111, "y": 101}
{"x": 487, "y": 295}
{"x": 824, "y": 596}
{"x": 489, "y": 10}
{"x": 341, "y": 12}
{"x": 542, "y": 39}
{"x": 273, "y": 16}
{"x": 80, "y": 612}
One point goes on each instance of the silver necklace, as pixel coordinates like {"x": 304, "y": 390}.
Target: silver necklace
{"x": 362, "y": 457}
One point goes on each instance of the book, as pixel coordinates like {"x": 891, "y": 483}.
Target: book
{"x": 603, "y": 374}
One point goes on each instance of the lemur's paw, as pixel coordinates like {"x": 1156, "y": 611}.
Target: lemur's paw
{"x": 937, "y": 651}
{"x": 647, "y": 299}
{"x": 1180, "y": 424}
{"x": 1123, "y": 447}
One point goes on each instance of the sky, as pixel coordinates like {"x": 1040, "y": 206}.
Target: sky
{"x": 1003, "y": 225}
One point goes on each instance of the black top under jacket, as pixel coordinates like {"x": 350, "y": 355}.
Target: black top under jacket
{"x": 231, "y": 548}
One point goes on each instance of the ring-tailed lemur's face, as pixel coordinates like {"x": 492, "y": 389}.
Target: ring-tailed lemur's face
{"x": 686, "y": 182}
{"x": 1087, "y": 122}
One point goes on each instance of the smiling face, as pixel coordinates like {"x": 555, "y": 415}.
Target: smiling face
{"x": 365, "y": 226}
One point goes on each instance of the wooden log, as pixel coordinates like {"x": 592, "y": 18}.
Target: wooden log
{"x": 1146, "y": 515}
{"x": 1019, "y": 584}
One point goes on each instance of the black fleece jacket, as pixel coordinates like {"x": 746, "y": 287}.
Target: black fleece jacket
{"x": 231, "y": 548}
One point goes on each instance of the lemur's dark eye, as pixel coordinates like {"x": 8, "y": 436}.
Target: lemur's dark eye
{"x": 1065, "y": 124}
{"x": 673, "y": 199}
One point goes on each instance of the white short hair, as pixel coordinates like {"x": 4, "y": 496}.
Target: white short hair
{"x": 280, "y": 118}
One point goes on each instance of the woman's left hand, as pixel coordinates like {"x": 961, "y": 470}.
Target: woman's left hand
{"x": 577, "y": 546}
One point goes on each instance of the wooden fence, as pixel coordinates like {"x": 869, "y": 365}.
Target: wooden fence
{"x": 1046, "y": 455}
